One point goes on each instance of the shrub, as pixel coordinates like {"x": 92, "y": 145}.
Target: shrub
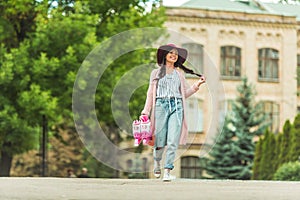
{"x": 288, "y": 172}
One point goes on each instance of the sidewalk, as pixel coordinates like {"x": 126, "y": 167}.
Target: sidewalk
{"x": 120, "y": 189}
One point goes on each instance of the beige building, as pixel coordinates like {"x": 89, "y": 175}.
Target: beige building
{"x": 228, "y": 40}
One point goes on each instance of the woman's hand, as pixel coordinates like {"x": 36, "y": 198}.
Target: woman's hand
{"x": 201, "y": 80}
{"x": 144, "y": 117}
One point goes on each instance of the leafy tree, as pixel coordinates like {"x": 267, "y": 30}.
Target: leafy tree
{"x": 17, "y": 21}
{"x": 23, "y": 105}
{"x": 129, "y": 19}
{"x": 40, "y": 53}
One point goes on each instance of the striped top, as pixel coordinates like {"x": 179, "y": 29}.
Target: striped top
{"x": 169, "y": 86}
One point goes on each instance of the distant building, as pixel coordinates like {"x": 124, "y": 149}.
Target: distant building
{"x": 237, "y": 38}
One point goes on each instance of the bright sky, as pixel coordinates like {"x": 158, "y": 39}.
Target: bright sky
{"x": 180, "y": 2}
{"x": 173, "y": 3}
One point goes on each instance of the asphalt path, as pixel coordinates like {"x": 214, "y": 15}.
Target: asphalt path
{"x": 94, "y": 189}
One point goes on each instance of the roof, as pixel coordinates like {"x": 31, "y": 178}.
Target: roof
{"x": 248, "y": 6}
{"x": 285, "y": 9}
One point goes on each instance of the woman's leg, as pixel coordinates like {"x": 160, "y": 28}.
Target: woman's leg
{"x": 157, "y": 153}
{"x": 161, "y": 118}
{"x": 161, "y": 123}
{"x": 173, "y": 136}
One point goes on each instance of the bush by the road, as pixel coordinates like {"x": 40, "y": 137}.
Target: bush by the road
{"x": 288, "y": 172}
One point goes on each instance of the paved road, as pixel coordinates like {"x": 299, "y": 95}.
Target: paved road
{"x": 181, "y": 189}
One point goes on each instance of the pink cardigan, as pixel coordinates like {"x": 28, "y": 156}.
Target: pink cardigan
{"x": 185, "y": 90}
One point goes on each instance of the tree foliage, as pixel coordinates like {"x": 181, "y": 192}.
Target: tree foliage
{"x": 242, "y": 125}
{"x": 219, "y": 164}
{"x": 267, "y": 158}
{"x": 42, "y": 45}
{"x": 277, "y": 151}
{"x": 257, "y": 159}
{"x": 294, "y": 147}
{"x": 289, "y": 171}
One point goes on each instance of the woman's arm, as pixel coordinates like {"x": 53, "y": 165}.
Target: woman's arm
{"x": 149, "y": 99}
{"x": 190, "y": 90}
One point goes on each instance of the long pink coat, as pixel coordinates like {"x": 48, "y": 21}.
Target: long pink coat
{"x": 186, "y": 92}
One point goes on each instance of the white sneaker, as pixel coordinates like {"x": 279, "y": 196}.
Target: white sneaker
{"x": 157, "y": 172}
{"x": 168, "y": 176}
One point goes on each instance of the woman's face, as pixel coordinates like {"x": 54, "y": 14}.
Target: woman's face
{"x": 172, "y": 56}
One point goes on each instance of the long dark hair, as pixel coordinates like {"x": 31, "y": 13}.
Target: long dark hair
{"x": 178, "y": 63}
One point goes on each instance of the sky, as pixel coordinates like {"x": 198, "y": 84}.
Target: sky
{"x": 173, "y": 3}
{"x": 180, "y": 2}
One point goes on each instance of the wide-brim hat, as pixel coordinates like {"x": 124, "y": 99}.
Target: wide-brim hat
{"x": 164, "y": 49}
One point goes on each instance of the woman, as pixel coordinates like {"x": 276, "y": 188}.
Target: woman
{"x": 165, "y": 101}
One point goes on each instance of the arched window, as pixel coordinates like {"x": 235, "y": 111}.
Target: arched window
{"x": 190, "y": 167}
{"x": 230, "y": 61}
{"x": 271, "y": 109}
{"x": 195, "y": 56}
{"x": 195, "y": 115}
{"x": 268, "y": 60}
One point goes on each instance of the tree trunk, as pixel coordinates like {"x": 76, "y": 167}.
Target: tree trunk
{"x": 5, "y": 163}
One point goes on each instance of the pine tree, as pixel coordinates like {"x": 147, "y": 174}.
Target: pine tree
{"x": 249, "y": 122}
{"x": 219, "y": 163}
{"x": 233, "y": 153}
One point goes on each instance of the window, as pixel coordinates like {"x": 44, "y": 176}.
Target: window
{"x": 194, "y": 115}
{"x": 230, "y": 61}
{"x": 195, "y": 56}
{"x": 190, "y": 167}
{"x": 271, "y": 109}
{"x": 268, "y": 64}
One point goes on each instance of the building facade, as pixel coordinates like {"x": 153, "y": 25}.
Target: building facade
{"x": 229, "y": 40}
